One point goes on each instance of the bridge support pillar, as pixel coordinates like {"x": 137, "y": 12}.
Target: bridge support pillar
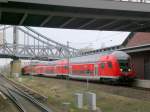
{"x": 15, "y": 68}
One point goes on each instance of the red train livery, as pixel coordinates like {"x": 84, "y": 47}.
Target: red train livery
{"x": 114, "y": 66}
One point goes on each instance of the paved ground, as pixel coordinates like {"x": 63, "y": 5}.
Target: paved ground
{"x": 109, "y": 98}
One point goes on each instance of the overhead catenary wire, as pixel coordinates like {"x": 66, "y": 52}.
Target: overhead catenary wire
{"x": 97, "y": 39}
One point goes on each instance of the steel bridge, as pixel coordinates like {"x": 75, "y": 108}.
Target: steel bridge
{"x": 26, "y": 43}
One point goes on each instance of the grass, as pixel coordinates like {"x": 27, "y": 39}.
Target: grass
{"x": 59, "y": 91}
{"x": 7, "y": 106}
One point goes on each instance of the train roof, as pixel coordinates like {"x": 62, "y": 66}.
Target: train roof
{"x": 120, "y": 55}
{"x": 88, "y": 58}
{"x": 82, "y": 59}
{"x": 91, "y": 58}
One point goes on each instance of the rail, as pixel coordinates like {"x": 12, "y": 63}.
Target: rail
{"x": 19, "y": 97}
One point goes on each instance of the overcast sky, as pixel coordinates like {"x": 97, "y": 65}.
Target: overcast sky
{"x": 77, "y": 38}
{"x": 84, "y": 38}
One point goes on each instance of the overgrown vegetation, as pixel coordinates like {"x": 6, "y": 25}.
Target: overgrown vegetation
{"x": 7, "y": 106}
{"x": 60, "y": 91}
{"x": 5, "y": 70}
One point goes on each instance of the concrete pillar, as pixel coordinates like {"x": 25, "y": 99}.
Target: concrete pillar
{"x": 15, "y": 67}
{"x": 15, "y": 39}
{"x": 66, "y": 106}
{"x": 79, "y": 100}
{"x": 91, "y": 98}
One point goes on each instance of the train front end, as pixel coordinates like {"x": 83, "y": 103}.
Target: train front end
{"x": 125, "y": 69}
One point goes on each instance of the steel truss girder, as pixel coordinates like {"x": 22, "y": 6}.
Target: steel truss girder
{"x": 49, "y": 49}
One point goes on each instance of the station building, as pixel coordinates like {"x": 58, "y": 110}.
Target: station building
{"x": 137, "y": 45}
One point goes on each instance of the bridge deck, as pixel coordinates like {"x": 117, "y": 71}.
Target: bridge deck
{"x": 97, "y": 4}
{"x": 77, "y": 14}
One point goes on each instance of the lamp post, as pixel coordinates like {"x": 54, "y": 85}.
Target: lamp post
{"x": 87, "y": 79}
{"x": 68, "y": 57}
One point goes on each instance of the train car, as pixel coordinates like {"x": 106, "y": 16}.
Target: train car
{"x": 113, "y": 66}
{"x": 50, "y": 71}
{"x": 26, "y": 70}
{"x": 62, "y": 69}
{"x": 34, "y": 69}
{"x": 110, "y": 66}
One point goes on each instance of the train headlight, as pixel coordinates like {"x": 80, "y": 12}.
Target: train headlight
{"x": 121, "y": 70}
{"x": 129, "y": 70}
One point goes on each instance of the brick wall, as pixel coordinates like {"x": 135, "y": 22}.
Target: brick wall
{"x": 138, "y": 63}
{"x": 138, "y": 60}
{"x": 139, "y": 38}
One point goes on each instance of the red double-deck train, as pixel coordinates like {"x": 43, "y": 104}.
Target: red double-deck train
{"x": 111, "y": 66}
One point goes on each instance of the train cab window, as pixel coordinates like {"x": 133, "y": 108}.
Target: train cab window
{"x": 124, "y": 65}
{"x": 102, "y": 65}
{"x": 109, "y": 64}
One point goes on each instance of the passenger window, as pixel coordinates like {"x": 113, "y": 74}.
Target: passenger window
{"x": 88, "y": 71}
{"x": 102, "y": 65}
{"x": 65, "y": 67}
{"x": 109, "y": 64}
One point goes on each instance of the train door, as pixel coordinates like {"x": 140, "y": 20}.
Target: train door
{"x": 57, "y": 70}
{"x": 102, "y": 68}
{"x": 109, "y": 70}
{"x": 70, "y": 69}
{"x": 96, "y": 69}
{"x": 106, "y": 69}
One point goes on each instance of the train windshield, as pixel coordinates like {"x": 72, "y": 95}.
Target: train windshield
{"x": 124, "y": 65}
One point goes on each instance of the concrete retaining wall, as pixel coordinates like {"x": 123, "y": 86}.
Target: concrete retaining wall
{"x": 142, "y": 83}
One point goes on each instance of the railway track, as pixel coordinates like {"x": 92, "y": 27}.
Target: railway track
{"x": 30, "y": 91}
{"x": 23, "y": 101}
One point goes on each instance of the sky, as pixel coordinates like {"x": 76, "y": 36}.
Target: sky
{"x": 77, "y": 38}
{"x": 84, "y": 38}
